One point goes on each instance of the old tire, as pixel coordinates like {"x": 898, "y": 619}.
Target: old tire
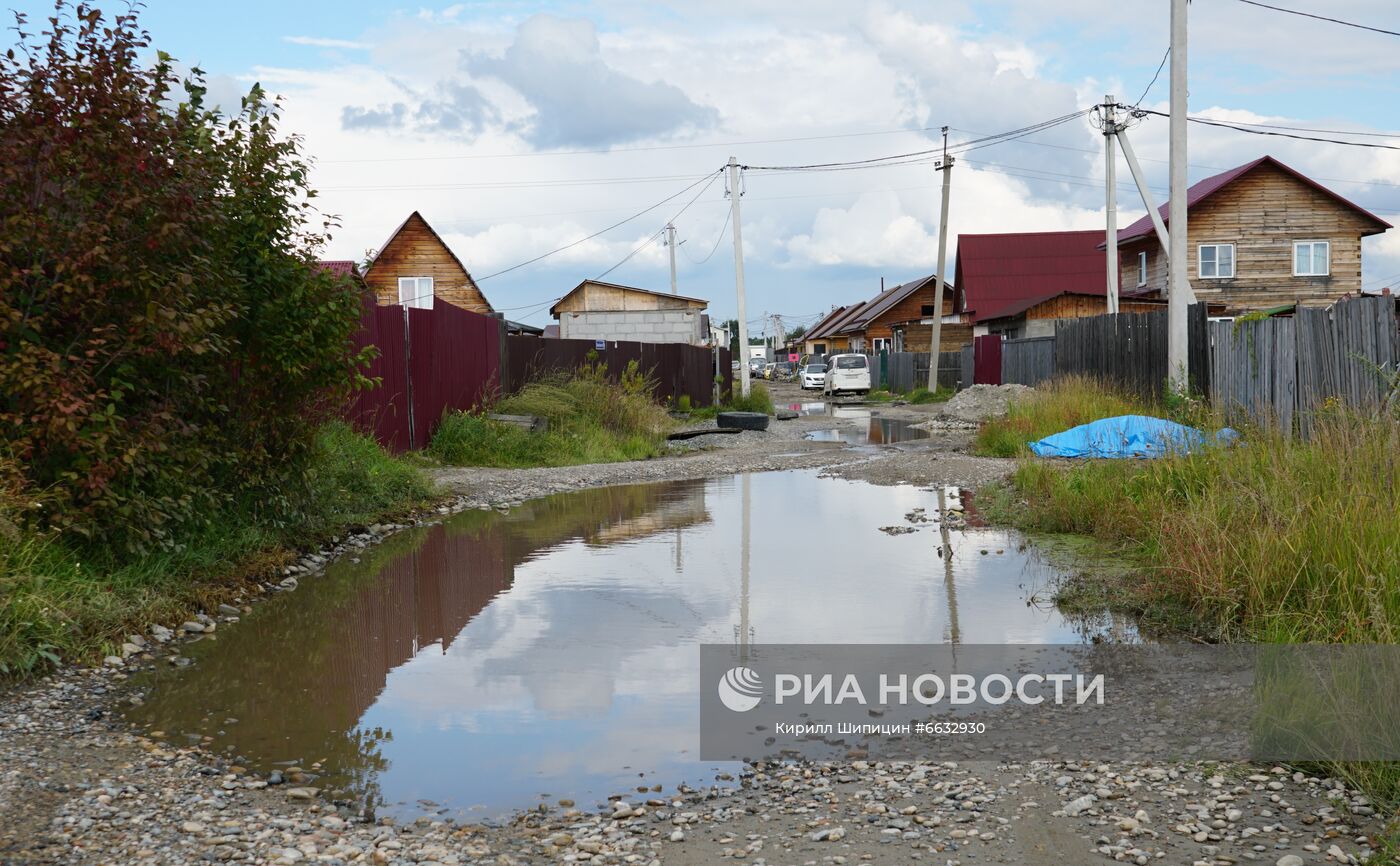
{"x": 743, "y": 420}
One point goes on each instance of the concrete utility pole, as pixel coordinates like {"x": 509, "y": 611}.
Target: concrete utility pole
{"x": 671, "y": 242}
{"x": 739, "y": 276}
{"x": 945, "y": 165}
{"x": 1147, "y": 199}
{"x": 1179, "y": 284}
{"x": 1110, "y": 130}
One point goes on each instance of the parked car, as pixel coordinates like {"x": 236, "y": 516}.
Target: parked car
{"x": 813, "y": 377}
{"x": 769, "y": 370}
{"x": 846, "y": 373}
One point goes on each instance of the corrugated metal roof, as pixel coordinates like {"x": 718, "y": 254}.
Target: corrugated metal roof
{"x": 1204, "y": 189}
{"x": 820, "y": 329}
{"x": 339, "y": 267}
{"x": 1004, "y": 274}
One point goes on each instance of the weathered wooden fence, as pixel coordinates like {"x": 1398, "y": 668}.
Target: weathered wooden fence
{"x": 909, "y": 370}
{"x": 1130, "y": 349}
{"x": 1279, "y": 371}
{"x": 1028, "y": 361}
{"x": 431, "y": 361}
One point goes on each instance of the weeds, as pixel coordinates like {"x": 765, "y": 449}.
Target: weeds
{"x": 758, "y": 400}
{"x": 923, "y": 395}
{"x": 1059, "y": 405}
{"x": 63, "y": 599}
{"x": 590, "y": 420}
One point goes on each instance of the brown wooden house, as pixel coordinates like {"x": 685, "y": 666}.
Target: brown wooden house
{"x": 1260, "y": 235}
{"x": 416, "y": 268}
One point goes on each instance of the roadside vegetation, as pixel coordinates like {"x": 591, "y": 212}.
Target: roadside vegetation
{"x": 759, "y": 400}
{"x": 591, "y": 419}
{"x": 1058, "y": 405}
{"x": 1275, "y": 540}
{"x": 171, "y": 355}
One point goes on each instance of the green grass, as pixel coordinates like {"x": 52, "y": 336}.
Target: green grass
{"x": 1051, "y": 408}
{"x": 591, "y": 420}
{"x": 62, "y": 601}
{"x": 923, "y": 395}
{"x": 1276, "y": 540}
{"x": 759, "y": 400}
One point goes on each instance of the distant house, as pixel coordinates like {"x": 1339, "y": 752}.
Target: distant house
{"x": 1260, "y": 235}
{"x": 415, "y": 268}
{"x": 898, "y": 319}
{"x": 815, "y": 340}
{"x": 340, "y": 267}
{"x": 1019, "y": 284}
{"x": 596, "y": 310}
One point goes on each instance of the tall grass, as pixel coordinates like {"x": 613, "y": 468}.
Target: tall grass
{"x": 759, "y": 400}
{"x": 1058, "y": 405}
{"x": 591, "y": 420}
{"x": 64, "y": 600}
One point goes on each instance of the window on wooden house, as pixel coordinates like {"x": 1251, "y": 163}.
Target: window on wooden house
{"x": 926, "y": 310}
{"x": 416, "y": 292}
{"x": 1312, "y": 258}
{"x": 1142, "y": 268}
{"x": 1216, "y": 261}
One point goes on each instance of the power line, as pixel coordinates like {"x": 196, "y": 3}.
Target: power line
{"x": 728, "y": 212}
{"x": 710, "y": 177}
{"x": 918, "y": 155}
{"x": 1155, "y": 76}
{"x": 1226, "y": 125}
{"x": 672, "y": 220}
{"x": 1322, "y": 18}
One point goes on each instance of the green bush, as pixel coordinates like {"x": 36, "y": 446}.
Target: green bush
{"x": 923, "y": 395}
{"x": 591, "y": 420}
{"x": 168, "y": 345}
{"x": 63, "y": 598}
{"x": 758, "y": 400}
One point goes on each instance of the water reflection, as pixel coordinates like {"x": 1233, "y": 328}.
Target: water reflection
{"x": 880, "y": 431}
{"x": 494, "y": 658}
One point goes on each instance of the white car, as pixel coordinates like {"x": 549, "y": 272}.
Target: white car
{"x": 813, "y": 377}
{"x": 847, "y": 373}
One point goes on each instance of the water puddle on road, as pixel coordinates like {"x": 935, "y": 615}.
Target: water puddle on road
{"x": 880, "y": 431}
{"x": 473, "y": 667}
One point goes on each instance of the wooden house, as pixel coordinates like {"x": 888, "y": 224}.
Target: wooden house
{"x": 595, "y": 310}
{"x": 1258, "y": 236}
{"x": 1020, "y": 284}
{"x": 416, "y": 268}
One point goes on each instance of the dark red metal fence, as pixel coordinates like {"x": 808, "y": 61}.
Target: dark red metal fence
{"x": 986, "y": 360}
{"x": 433, "y": 361}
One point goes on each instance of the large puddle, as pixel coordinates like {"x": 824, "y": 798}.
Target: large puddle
{"x": 477, "y": 666}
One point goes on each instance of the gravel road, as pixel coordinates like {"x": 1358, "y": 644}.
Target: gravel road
{"x": 78, "y": 786}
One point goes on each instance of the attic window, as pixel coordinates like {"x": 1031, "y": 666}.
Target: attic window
{"x": 1312, "y": 258}
{"x": 416, "y": 292}
{"x": 926, "y": 310}
{"x": 1216, "y": 261}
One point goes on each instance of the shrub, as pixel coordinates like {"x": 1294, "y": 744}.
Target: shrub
{"x": 758, "y": 400}
{"x": 167, "y": 344}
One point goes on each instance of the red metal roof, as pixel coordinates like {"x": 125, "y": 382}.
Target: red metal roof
{"x": 339, "y": 267}
{"x": 1201, "y": 190}
{"x": 1005, "y": 274}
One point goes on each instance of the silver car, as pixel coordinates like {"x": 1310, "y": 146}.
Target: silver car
{"x": 813, "y": 377}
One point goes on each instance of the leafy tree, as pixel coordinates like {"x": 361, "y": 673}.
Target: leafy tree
{"x": 167, "y": 343}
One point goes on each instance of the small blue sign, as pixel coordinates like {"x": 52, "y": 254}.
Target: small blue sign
{"x": 600, "y": 345}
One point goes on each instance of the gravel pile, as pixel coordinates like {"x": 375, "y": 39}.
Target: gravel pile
{"x": 980, "y": 402}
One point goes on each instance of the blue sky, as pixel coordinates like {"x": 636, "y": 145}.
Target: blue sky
{"x": 460, "y": 110}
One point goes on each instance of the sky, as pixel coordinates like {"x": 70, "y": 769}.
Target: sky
{"x": 516, "y": 128}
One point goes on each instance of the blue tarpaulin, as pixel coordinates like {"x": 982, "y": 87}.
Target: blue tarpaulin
{"x": 1129, "y": 436}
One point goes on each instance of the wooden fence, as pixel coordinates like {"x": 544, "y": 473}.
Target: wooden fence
{"x": 904, "y": 371}
{"x": 1280, "y": 371}
{"x": 1029, "y": 361}
{"x": 1130, "y": 349}
{"x": 431, "y": 361}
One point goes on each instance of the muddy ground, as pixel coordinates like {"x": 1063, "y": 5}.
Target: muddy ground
{"x": 77, "y": 785}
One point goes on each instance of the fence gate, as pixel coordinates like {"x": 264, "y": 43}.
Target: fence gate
{"x": 986, "y": 360}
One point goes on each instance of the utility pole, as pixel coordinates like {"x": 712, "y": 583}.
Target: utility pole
{"x": 671, "y": 242}
{"x": 1179, "y": 284}
{"x": 1147, "y": 199}
{"x": 739, "y": 276}
{"x": 1110, "y": 130}
{"x": 945, "y": 165}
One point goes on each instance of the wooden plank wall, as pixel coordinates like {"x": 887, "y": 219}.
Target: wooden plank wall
{"x": 1130, "y": 349}
{"x": 417, "y": 251}
{"x": 1254, "y": 371}
{"x": 678, "y": 369}
{"x": 1029, "y": 361}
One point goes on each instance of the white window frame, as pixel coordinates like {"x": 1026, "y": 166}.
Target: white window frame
{"x": 1200, "y": 262}
{"x": 1327, "y": 258}
{"x": 420, "y": 292}
{"x": 1142, "y": 268}
{"x": 880, "y": 343}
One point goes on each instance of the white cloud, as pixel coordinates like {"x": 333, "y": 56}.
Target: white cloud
{"x": 323, "y": 42}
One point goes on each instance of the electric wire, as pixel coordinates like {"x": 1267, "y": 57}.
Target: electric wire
{"x": 678, "y": 215}
{"x": 729, "y": 212}
{"x": 1322, "y": 18}
{"x": 1227, "y": 125}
